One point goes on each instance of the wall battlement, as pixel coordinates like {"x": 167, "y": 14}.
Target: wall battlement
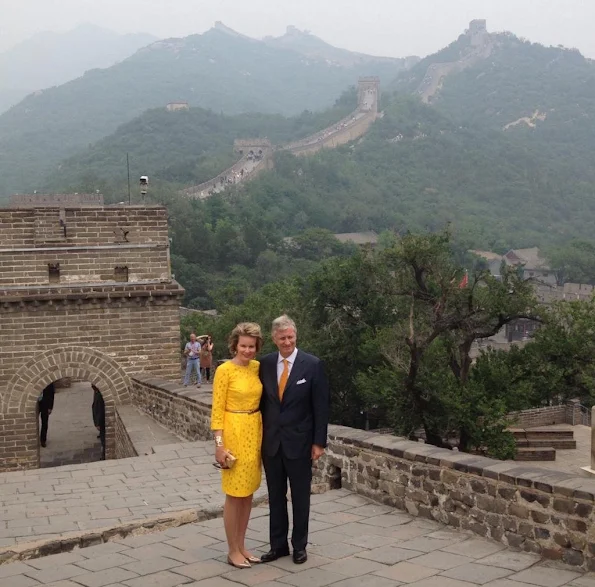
{"x": 51, "y": 200}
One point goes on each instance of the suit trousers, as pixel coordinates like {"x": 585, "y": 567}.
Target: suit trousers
{"x": 45, "y": 417}
{"x": 279, "y": 469}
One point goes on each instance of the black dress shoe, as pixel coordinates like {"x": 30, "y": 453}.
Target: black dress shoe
{"x": 274, "y": 554}
{"x": 300, "y": 557}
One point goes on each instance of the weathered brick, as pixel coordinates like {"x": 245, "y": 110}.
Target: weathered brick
{"x": 88, "y": 326}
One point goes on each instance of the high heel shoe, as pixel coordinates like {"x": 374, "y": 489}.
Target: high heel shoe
{"x": 244, "y": 565}
{"x": 253, "y": 560}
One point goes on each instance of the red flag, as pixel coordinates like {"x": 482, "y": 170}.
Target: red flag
{"x": 465, "y": 281}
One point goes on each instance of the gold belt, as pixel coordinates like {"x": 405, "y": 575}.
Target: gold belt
{"x": 243, "y": 411}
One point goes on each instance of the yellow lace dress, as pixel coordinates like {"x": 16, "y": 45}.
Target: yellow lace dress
{"x": 237, "y": 388}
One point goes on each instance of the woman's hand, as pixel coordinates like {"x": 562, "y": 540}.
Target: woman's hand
{"x": 221, "y": 455}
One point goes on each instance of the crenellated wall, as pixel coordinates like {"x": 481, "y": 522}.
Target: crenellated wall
{"x": 257, "y": 154}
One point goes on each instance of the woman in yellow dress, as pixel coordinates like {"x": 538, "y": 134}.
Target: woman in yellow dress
{"x": 237, "y": 425}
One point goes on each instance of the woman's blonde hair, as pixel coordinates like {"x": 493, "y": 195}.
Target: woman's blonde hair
{"x": 245, "y": 329}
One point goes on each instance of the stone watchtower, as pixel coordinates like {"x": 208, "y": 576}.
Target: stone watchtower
{"x": 87, "y": 293}
{"x": 368, "y": 94}
{"x": 478, "y": 31}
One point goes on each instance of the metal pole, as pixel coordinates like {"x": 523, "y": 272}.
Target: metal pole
{"x": 128, "y": 167}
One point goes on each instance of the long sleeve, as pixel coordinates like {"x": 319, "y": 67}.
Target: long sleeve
{"x": 321, "y": 404}
{"x": 220, "y": 386}
{"x": 50, "y": 396}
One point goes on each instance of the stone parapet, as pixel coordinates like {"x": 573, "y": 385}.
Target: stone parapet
{"x": 124, "y": 445}
{"x": 170, "y": 404}
{"x": 570, "y": 413}
{"x": 526, "y": 507}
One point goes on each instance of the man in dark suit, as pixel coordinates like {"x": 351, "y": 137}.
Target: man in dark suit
{"x": 295, "y": 411}
{"x": 98, "y": 409}
{"x": 45, "y": 404}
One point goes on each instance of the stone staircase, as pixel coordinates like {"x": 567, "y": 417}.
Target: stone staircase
{"x": 540, "y": 444}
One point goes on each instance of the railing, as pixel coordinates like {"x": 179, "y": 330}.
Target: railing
{"x": 582, "y": 416}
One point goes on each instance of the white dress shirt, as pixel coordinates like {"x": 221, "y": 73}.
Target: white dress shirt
{"x": 290, "y": 362}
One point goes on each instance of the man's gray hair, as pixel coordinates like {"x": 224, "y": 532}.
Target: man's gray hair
{"x": 283, "y": 323}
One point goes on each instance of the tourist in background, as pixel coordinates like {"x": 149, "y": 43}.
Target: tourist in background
{"x": 206, "y": 357}
{"x": 237, "y": 427}
{"x": 45, "y": 405}
{"x": 295, "y": 408}
{"x": 192, "y": 352}
{"x": 98, "y": 409}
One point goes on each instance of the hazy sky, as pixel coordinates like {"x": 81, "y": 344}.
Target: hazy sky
{"x": 382, "y": 27}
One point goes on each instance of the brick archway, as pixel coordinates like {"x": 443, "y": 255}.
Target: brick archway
{"x": 18, "y": 404}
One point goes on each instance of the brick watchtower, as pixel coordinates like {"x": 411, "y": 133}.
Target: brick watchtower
{"x": 86, "y": 293}
{"x": 368, "y": 93}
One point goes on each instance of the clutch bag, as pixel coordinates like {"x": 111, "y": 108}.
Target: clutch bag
{"x": 230, "y": 461}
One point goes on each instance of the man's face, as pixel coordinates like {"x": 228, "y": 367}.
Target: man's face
{"x": 285, "y": 341}
{"x": 193, "y": 338}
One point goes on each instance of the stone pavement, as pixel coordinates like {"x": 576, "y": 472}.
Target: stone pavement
{"x": 144, "y": 432}
{"x": 571, "y": 460}
{"x": 72, "y": 437}
{"x": 353, "y": 543}
{"x": 44, "y": 504}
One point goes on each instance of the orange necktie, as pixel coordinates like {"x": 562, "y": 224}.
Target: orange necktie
{"x": 284, "y": 378}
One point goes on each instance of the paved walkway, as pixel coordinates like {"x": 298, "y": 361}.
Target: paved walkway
{"x": 571, "y": 460}
{"x": 354, "y": 543}
{"x": 72, "y": 436}
{"x": 48, "y": 503}
{"x": 144, "y": 432}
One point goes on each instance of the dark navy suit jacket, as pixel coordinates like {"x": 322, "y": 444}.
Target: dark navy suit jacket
{"x": 301, "y": 419}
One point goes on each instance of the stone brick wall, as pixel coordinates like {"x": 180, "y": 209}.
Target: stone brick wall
{"x": 533, "y": 509}
{"x": 547, "y": 416}
{"x": 343, "y": 136}
{"x": 169, "y": 405}
{"x": 124, "y": 446}
{"x": 85, "y": 226}
{"x": 79, "y": 265}
{"x": 142, "y": 335}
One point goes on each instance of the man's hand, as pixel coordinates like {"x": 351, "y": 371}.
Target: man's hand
{"x": 317, "y": 452}
{"x": 49, "y": 412}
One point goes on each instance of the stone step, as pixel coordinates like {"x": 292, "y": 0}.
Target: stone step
{"x": 557, "y": 443}
{"x": 537, "y": 433}
{"x": 535, "y": 454}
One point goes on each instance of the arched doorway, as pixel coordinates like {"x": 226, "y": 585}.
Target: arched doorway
{"x": 18, "y": 405}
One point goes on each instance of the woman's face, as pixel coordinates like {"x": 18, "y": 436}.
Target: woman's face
{"x": 246, "y": 349}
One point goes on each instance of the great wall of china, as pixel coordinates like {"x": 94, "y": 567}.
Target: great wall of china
{"x": 481, "y": 46}
{"x": 256, "y": 155}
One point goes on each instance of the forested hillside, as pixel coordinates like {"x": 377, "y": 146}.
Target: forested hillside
{"x": 188, "y": 147}
{"x": 541, "y": 97}
{"x": 420, "y": 167}
{"x": 216, "y": 70}
{"x": 415, "y": 170}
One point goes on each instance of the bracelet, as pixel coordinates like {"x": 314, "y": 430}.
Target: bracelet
{"x": 218, "y": 441}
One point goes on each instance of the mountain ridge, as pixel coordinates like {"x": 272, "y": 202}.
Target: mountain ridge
{"x": 48, "y": 58}
{"x": 213, "y": 70}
